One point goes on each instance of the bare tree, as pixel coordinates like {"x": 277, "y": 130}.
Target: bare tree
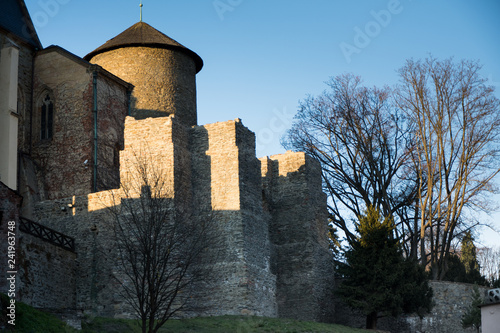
{"x": 456, "y": 122}
{"x": 359, "y": 139}
{"x": 489, "y": 263}
{"x": 166, "y": 250}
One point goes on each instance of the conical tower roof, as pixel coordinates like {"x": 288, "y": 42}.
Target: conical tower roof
{"x": 142, "y": 34}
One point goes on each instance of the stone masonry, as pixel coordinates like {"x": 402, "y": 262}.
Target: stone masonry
{"x": 77, "y": 88}
{"x": 168, "y": 86}
{"x": 9, "y": 211}
{"x": 136, "y": 96}
{"x": 296, "y": 204}
{"x": 83, "y": 124}
{"x": 226, "y": 176}
{"x": 450, "y": 302}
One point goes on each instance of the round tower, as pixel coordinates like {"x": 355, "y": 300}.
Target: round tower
{"x": 162, "y": 71}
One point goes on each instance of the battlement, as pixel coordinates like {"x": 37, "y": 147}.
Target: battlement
{"x": 224, "y": 161}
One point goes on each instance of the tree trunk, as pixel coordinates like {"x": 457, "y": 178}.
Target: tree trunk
{"x": 151, "y": 323}
{"x": 371, "y": 321}
{"x": 414, "y": 238}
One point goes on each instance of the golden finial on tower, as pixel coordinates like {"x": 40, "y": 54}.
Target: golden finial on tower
{"x": 140, "y": 6}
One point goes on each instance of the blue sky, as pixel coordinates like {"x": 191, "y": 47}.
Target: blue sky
{"x": 262, "y": 57}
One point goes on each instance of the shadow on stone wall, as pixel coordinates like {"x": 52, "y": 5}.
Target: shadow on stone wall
{"x": 451, "y": 300}
{"x": 144, "y": 113}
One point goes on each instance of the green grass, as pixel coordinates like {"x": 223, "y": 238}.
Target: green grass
{"x": 30, "y": 320}
{"x": 222, "y": 324}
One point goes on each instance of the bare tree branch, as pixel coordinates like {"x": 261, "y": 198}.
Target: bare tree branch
{"x": 456, "y": 122}
{"x": 359, "y": 139}
{"x": 166, "y": 252}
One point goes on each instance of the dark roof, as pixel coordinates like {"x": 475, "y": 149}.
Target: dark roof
{"x": 14, "y": 18}
{"x": 142, "y": 34}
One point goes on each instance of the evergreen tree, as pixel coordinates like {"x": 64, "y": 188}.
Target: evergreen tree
{"x": 379, "y": 281}
{"x": 468, "y": 256}
{"x": 457, "y": 272}
{"x": 472, "y": 318}
{"x": 465, "y": 268}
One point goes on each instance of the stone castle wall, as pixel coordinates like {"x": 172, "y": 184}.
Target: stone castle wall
{"x": 10, "y": 204}
{"x": 451, "y": 300}
{"x": 164, "y": 80}
{"x": 302, "y": 262}
{"x": 49, "y": 275}
{"x": 46, "y": 273}
{"x": 244, "y": 283}
{"x": 69, "y": 83}
{"x": 226, "y": 179}
{"x": 149, "y": 143}
{"x": 64, "y": 81}
{"x": 89, "y": 222}
{"x": 276, "y": 258}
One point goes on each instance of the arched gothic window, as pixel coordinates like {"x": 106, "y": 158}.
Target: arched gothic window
{"x": 46, "y": 118}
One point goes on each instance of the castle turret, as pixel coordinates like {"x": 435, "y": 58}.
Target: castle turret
{"x": 162, "y": 71}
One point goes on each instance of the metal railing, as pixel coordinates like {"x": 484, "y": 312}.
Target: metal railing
{"x": 47, "y": 234}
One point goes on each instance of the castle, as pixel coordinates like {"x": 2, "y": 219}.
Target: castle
{"x": 68, "y": 127}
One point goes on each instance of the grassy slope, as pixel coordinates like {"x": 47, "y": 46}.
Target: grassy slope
{"x": 30, "y": 320}
{"x": 229, "y": 324}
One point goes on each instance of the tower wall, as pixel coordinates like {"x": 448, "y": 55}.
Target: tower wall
{"x": 298, "y": 231}
{"x": 161, "y": 144}
{"x": 226, "y": 176}
{"x": 164, "y": 80}
{"x": 148, "y": 143}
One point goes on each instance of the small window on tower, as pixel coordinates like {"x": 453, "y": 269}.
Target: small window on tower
{"x": 46, "y": 118}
